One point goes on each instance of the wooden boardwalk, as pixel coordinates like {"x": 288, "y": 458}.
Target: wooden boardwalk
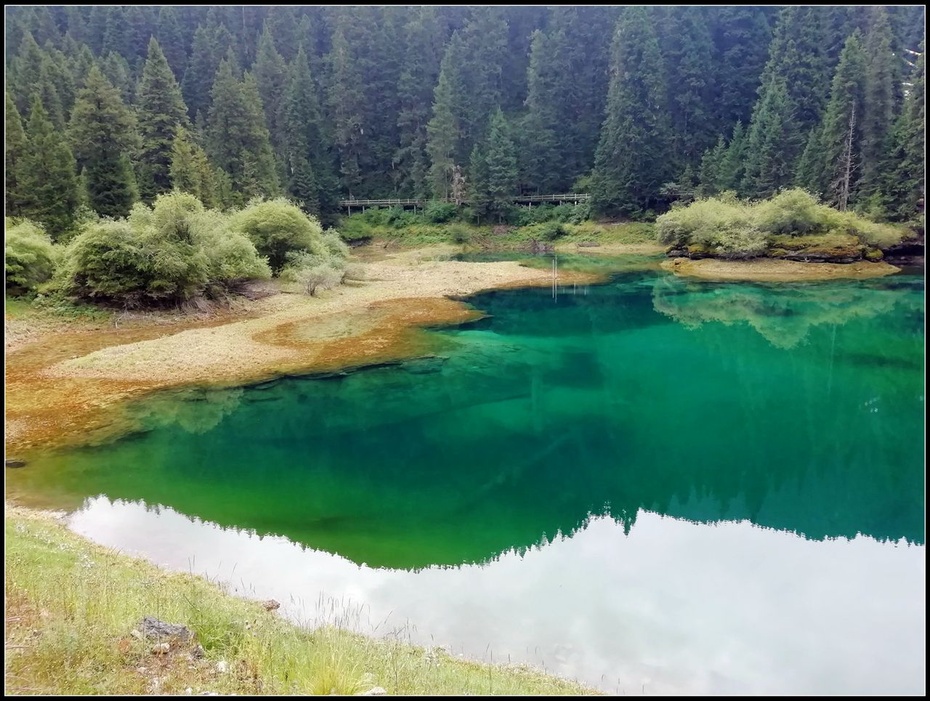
{"x": 558, "y": 198}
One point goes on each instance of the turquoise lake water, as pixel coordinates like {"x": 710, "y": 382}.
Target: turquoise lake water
{"x": 651, "y": 485}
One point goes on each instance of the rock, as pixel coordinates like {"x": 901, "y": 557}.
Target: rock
{"x": 13, "y": 462}
{"x": 222, "y": 666}
{"x": 153, "y": 628}
{"x": 198, "y": 652}
{"x": 376, "y": 691}
{"x": 161, "y": 649}
{"x": 271, "y": 605}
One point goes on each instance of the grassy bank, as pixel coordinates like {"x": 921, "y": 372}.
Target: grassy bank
{"x": 72, "y": 606}
{"x": 406, "y": 229}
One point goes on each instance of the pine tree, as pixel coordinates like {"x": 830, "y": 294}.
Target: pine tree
{"x": 772, "y": 143}
{"x": 211, "y": 43}
{"x": 237, "y": 137}
{"x": 31, "y": 71}
{"x": 443, "y": 130}
{"x": 14, "y": 150}
{"x": 688, "y": 51}
{"x": 709, "y": 175}
{"x": 484, "y": 48}
{"x": 346, "y": 98}
{"x": 161, "y": 111}
{"x": 171, "y": 40}
{"x": 905, "y": 178}
{"x": 741, "y": 40}
{"x": 103, "y": 134}
{"x": 46, "y": 175}
{"x": 307, "y": 153}
{"x": 732, "y": 165}
{"x": 501, "y": 164}
{"x": 632, "y": 159}
{"x": 118, "y": 72}
{"x": 841, "y": 138}
{"x": 420, "y": 72}
{"x": 543, "y": 159}
{"x": 271, "y": 74}
{"x": 810, "y": 173}
{"x": 879, "y": 108}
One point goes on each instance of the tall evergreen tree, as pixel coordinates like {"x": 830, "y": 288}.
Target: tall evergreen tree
{"x": 161, "y": 111}
{"x": 478, "y": 182}
{"x": 237, "y": 138}
{"x": 444, "y": 129}
{"x": 308, "y": 151}
{"x": 841, "y": 139}
{"x": 879, "y": 109}
{"x": 742, "y": 34}
{"x": 211, "y": 42}
{"x": 544, "y": 163}
{"x": 906, "y": 173}
{"x": 271, "y": 75}
{"x": 423, "y": 42}
{"x": 501, "y": 164}
{"x": 732, "y": 165}
{"x": 709, "y": 174}
{"x": 171, "y": 40}
{"x": 14, "y": 150}
{"x": 772, "y": 143}
{"x": 103, "y": 134}
{"x": 688, "y": 51}
{"x": 46, "y": 175}
{"x": 632, "y": 159}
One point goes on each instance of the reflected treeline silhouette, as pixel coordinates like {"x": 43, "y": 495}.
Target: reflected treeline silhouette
{"x": 544, "y": 414}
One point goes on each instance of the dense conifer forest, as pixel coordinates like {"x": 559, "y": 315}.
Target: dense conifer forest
{"x": 638, "y": 106}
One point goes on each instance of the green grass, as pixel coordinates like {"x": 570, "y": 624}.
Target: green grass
{"x": 71, "y": 607}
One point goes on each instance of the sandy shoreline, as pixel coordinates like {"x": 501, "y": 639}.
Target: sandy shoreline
{"x": 66, "y": 387}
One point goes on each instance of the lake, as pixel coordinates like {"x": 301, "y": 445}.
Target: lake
{"x": 651, "y": 485}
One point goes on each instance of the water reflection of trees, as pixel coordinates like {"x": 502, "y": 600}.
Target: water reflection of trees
{"x": 783, "y": 319}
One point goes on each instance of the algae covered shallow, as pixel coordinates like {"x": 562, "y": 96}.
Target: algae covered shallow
{"x": 652, "y": 478}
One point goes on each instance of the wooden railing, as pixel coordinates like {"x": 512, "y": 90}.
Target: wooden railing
{"x": 564, "y": 198}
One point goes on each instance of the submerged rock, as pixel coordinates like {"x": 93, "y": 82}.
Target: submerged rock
{"x": 13, "y": 462}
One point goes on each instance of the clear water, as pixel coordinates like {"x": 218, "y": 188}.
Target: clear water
{"x": 650, "y": 485}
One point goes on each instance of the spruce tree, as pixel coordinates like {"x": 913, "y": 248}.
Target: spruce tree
{"x": 841, "y": 138}
{"x": 478, "y": 182}
{"x": 161, "y": 111}
{"x": 46, "y": 175}
{"x": 271, "y": 75}
{"x": 14, "y": 150}
{"x": 211, "y": 43}
{"x": 420, "y": 71}
{"x": 688, "y": 51}
{"x": 905, "y": 177}
{"x": 732, "y": 165}
{"x": 811, "y": 173}
{"x": 308, "y": 152}
{"x": 171, "y": 40}
{"x": 237, "y": 137}
{"x": 103, "y": 135}
{"x": 501, "y": 164}
{"x": 879, "y": 107}
{"x": 709, "y": 174}
{"x": 632, "y": 159}
{"x": 543, "y": 156}
{"x": 444, "y": 130}
{"x": 772, "y": 143}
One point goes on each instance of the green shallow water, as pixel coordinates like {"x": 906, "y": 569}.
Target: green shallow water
{"x": 797, "y": 409}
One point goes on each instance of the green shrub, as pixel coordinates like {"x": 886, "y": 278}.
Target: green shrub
{"x": 29, "y": 254}
{"x": 171, "y": 252}
{"x": 795, "y": 212}
{"x": 277, "y": 227}
{"x": 438, "y": 212}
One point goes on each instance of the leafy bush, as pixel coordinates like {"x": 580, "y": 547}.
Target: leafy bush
{"x": 438, "y": 212}
{"x": 277, "y": 227}
{"x": 29, "y": 254}
{"x": 725, "y": 226}
{"x": 171, "y": 252}
{"x": 795, "y": 212}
